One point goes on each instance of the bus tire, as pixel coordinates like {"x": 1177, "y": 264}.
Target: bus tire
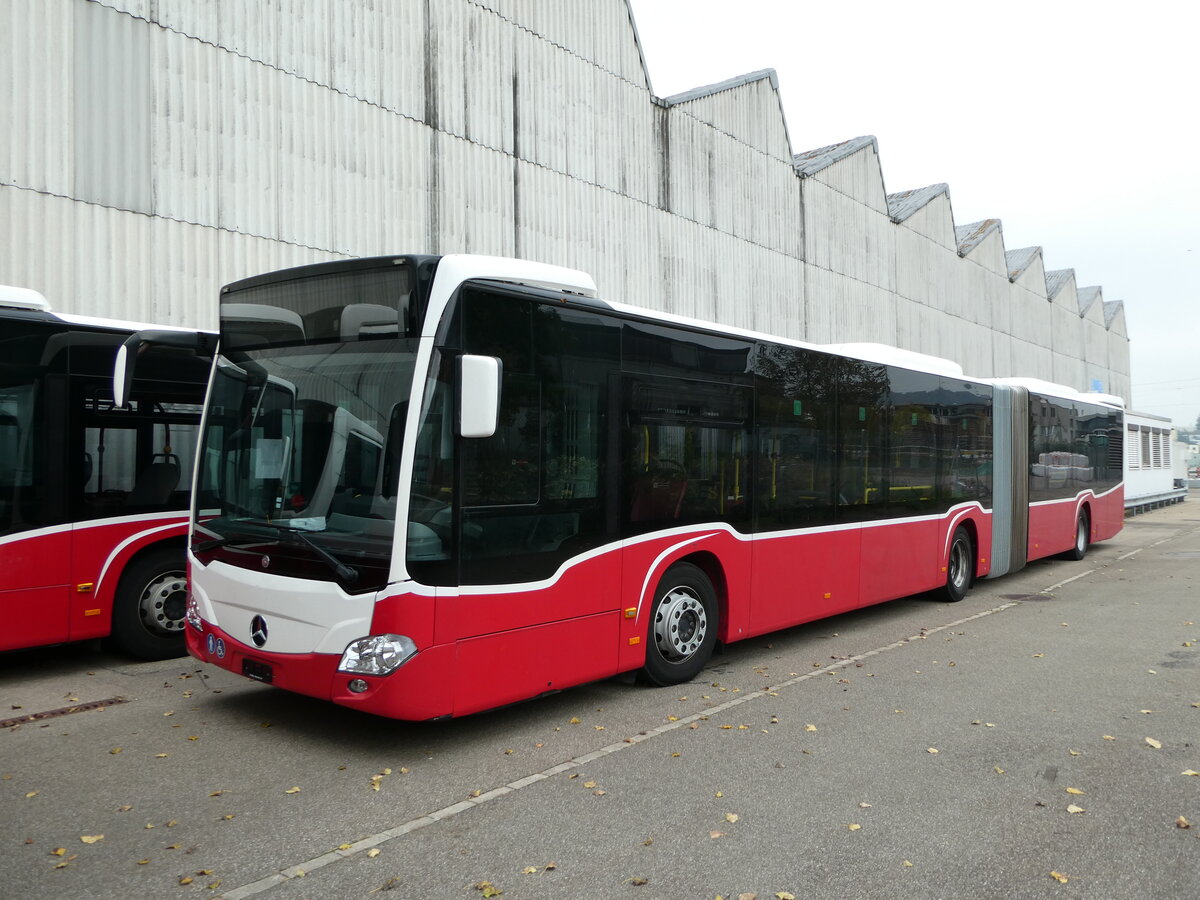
{"x": 148, "y": 611}
{"x": 683, "y": 626}
{"x": 959, "y": 567}
{"x": 1083, "y": 533}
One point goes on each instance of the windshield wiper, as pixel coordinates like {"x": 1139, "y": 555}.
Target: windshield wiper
{"x": 205, "y": 546}
{"x": 346, "y": 573}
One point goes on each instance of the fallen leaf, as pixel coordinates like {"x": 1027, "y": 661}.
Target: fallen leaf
{"x": 292, "y": 790}
{"x": 125, "y": 808}
{"x": 1181, "y": 822}
{"x": 171, "y": 824}
{"x": 719, "y": 794}
{"x": 160, "y": 756}
{"x": 143, "y": 862}
{"x": 218, "y": 793}
{"x": 1189, "y": 772}
{"x": 59, "y": 851}
{"x": 931, "y": 749}
{"x": 91, "y": 838}
{"x": 343, "y": 846}
{"x": 907, "y": 864}
{"x": 1038, "y": 655}
{"x": 1059, "y": 877}
{"x": 1075, "y": 809}
{"x": 999, "y": 771}
{"x": 186, "y": 879}
{"x": 731, "y": 817}
{"x": 638, "y": 881}
{"x": 854, "y": 827}
{"x": 477, "y": 793}
{"x": 551, "y": 866}
{"x": 1108, "y": 737}
{"x": 599, "y": 792}
{"x": 115, "y": 750}
{"x": 216, "y": 884}
{"x": 1074, "y": 791}
{"x": 784, "y": 895}
{"x": 373, "y": 852}
{"x": 31, "y": 794}
{"x": 574, "y": 720}
{"x": 589, "y": 784}
{"x": 172, "y": 846}
{"x": 1157, "y": 745}
{"x": 810, "y": 727}
{"x": 529, "y": 870}
{"x": 747, "y": 896}
{"x": 716, "y": 834}
{"x": 647, "y": 842}
{"x": 864, "y": 806}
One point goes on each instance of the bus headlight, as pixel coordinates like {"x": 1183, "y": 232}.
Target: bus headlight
{"x": 192, "y": 614}
{"x": 380, "y": 654}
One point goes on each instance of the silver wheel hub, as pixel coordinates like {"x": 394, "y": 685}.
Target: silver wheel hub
{"x": 163, "y": 603}
{"x": 680, "y": 624}
{"x": 1081, "y": 535}
{"x": 958, "y": 564}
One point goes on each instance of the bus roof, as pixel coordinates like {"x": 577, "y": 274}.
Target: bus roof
{"x": 22, "y": 298}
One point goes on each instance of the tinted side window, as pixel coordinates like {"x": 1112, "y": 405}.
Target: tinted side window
{"x": 864, "y": 415}
{"x": 795, "y": 437}
{"x": 687, "y": 452}
{"x": 533, "y": 494}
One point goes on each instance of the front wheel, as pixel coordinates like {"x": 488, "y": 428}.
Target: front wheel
{"x": 148, "y": 611}
{"x": 959, "y": 567}
{"x": 1082, "y": 537}
{"x": 683, "y": 626}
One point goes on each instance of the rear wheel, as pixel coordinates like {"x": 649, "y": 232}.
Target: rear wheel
{"x": 959, "y": 567}
{"x": 1082, "y": 537}
{"x": 148, "y": 612}
{"x": 683, "y": 626}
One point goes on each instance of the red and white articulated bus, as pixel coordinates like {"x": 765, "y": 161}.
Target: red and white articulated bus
{"x": 93, "y": 499}
{"x": 442, "y": 485}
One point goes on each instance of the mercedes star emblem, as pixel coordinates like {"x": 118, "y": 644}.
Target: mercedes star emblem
{"x": 266, "y": 561}
{"x": 258, "y": 631}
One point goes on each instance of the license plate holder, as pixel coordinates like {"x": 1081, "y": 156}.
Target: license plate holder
{"x": 258, "y": 671}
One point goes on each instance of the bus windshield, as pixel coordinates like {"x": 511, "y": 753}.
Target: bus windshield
{"x": 305, "y": 422}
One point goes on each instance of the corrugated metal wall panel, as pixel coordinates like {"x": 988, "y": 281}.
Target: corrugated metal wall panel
{"x": 112, "y": 112}
{"x": 402, "y": 71}
{"x": 36, "y": 80}
{"x": 857, "y": 176}
{"x": 405, "y": 166}
{"x": 185, "y": 144}
{"x": 251, "y": 29}
{"x": 598, "y": 31}
{"x": 843, "y": 235}
{"x": 305, "y": 38}
{"x": 840, "y": 309}
{"x": 184, "y": 280}
{"x": 935, "y": 221}
{"x": 749, "y": 113}
{"x": 39, "y": 245}
{"x": 474, "y": 198}
{"x": 305, "y": 146}
{"x": 248, "y": 138}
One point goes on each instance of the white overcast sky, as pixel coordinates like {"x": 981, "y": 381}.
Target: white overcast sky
{"x": 1075, "y": 123}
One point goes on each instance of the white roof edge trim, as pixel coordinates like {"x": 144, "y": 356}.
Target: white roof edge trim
{"x": 461, "y": 267}
{"x": 96, "y": 322}
{"x": 894, "y": 356}
{"x": 1061, "y": 391}
{"x": 23, "y": 298}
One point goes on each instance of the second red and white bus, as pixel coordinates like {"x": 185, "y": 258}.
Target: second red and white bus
{"x": 441, "y": 485}
{"x": 93, "y": 499}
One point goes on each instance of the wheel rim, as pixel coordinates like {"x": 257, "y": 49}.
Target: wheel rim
{"x": 680, "y": 624}
{"x": 1081, "y": 534}
{"x": 959, "y": 564}
{"x": 163, "y": 604}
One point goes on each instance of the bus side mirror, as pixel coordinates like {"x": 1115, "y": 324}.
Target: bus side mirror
{"x": 478, "y": 396}
{"x": 123, "y": 376}
{"x": 199, "y": 343}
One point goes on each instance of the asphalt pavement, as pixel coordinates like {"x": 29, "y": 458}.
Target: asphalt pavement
{"x": 1034, "y": 740}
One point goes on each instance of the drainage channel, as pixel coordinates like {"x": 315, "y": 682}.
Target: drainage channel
{"x": 64, "y": 711}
